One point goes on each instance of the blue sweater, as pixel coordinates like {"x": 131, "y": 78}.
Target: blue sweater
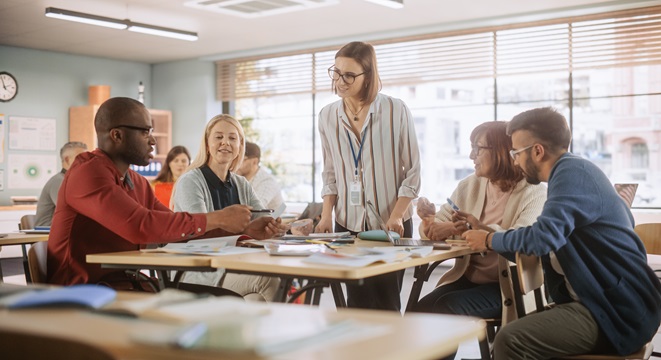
{"x": 590, "y": 229}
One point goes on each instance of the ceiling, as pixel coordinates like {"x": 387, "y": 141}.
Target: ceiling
{"x": 23, "y": 24}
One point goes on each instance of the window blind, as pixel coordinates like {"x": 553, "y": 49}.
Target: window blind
{"x": 624, "y": 38}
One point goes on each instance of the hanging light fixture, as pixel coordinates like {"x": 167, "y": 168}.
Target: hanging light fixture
{"x": 395, "y": 4}
{"x": 119, "y": 24}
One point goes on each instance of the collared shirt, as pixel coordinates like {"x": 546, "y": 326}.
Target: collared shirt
{"x": 388, "y": 168}
{"x": 48, "y": 200}
{"x": 223, "y": 193}
{"x": 100, "y": 210}
{"x": 267, "y": 189}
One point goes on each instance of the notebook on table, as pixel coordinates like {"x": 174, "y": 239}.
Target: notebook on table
{"x": 437, "y": 244}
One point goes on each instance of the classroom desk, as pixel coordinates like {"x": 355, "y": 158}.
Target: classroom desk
{"x": 61, "y": 331}
{"x": 18, "y": 238}
{"x": 160, "y": 262}
{"x": 290, "y": 267}
{"x": 286, "y": 267}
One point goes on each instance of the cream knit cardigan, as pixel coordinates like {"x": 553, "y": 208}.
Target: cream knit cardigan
{"x": 523, "y": 207}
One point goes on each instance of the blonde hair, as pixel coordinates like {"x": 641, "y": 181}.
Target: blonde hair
{"x": 202, "y": 157}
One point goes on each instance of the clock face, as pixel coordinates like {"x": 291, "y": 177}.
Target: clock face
{"x": 8, "y": 86}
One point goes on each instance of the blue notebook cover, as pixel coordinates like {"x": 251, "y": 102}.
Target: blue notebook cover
{"x": 90, "y": 296}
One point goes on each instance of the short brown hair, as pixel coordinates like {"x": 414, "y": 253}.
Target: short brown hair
{"x": 253, "y": 150}
{"x": 505, "y": 174}
{"x": 363, "y": 54}
{"x": 547, "y": 125}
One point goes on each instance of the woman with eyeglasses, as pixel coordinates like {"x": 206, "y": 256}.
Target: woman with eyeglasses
{"x": 496, "y": 197}
{"x": 370, "y": 152}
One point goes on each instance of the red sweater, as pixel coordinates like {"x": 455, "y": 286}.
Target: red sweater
{"x": 101, "y": 210}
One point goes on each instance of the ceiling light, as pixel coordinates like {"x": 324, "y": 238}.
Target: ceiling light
{"x": 85, "y": 18}
{"x": 161, "y": 31}
{"x": 120, "y": 24}
{"x": 395, "y": 4}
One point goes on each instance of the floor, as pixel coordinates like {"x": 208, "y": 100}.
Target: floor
{"x": 12, "y": 269}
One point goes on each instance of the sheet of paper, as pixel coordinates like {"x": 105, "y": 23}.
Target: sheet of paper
{"x": 354, "y": 260}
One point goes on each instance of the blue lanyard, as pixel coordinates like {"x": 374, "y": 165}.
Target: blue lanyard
{"x": 353, "y": 153}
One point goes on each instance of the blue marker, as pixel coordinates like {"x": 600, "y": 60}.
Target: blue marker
{"x": 453, "y": 205}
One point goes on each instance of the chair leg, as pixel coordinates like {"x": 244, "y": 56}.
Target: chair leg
{"x": 485, "y": 351}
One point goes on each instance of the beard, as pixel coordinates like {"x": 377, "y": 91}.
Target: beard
{"x": 135, "y": 155}
{"x": 531, "y": 172}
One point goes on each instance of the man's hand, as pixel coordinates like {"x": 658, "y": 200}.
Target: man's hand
{"x": 475, "y": 239}
{"x": 264, "y": 227}
{"x": 425, "y": 208}
{"x": 232, "y": 219}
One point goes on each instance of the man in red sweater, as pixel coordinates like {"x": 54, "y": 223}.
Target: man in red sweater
{"x": 103, "y": 206}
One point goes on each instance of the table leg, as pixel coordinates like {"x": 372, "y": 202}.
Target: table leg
{"x": 283, "y": 290}
{"x": 26, "y": 266}
{"x": 338, "y": 294}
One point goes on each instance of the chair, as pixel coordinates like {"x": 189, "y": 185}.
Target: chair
{"x": 516, "y": 280}
{"x": 650, "y": 234}
{"x": 37, "y": 262}
{"x": 27, "y": 222}
{"x": 530, "y": 278}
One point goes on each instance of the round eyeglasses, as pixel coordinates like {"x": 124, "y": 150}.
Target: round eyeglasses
{"x": 348, "y": 78}
{"x": 475, "y": 149}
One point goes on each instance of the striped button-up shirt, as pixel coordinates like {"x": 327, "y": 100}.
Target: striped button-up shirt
{"x": 388, "y": 168}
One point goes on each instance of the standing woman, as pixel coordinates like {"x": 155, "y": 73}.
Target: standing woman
{"x": 175, "y": 164}
{"x": 210, "y": 184}
{"x": 370, "y": 152}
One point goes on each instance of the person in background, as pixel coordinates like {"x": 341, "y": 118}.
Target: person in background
{"x": 606, "y": 296}
{"x": 370, "y": 152}
{"x": 496, "y": 197}
{"x": 265, "y": 185}
{"x": 210, "y": 184}
{"x": 48, "y": 197}
{"x": 175, "y": 164}
{"x": 104, "y": 206}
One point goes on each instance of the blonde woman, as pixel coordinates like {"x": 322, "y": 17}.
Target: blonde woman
{"x": 210, "y": 184}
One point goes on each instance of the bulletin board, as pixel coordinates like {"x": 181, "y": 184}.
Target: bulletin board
{"x": 28, "y": 133}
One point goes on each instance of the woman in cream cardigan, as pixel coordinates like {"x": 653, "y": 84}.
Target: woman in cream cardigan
{"x": 495, "y": 198}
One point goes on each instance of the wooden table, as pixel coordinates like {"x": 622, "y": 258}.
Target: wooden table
{"x": 64, "y": 333}
{"x": 18, "y": 238}
{"x": 285, "y": 267}
{"x": 289, "y": 267}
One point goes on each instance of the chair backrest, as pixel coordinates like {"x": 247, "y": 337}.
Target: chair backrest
{"x": 530, "y": 278}
{"x": 27, "y": 222}
{"x": 37, "y": 262}
{"x": 650, "y": 234}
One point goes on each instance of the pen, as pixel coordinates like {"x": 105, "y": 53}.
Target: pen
{"x": 328, "y": 246}
{"x": 316, "y": 242}
{"x": 261, "y": 210}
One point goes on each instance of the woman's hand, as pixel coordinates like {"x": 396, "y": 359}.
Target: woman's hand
{"x": 442, "y": 230}
{"x": 425, "y": 208}
{"x": 324, "y": 225}
{"x": 468, "y": 219}
{"x": 396, "y": 224}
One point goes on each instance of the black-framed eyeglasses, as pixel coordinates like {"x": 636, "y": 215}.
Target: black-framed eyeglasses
{"x": 145, "y": 131}
{"x": 475, "y": 149}
{"x": 515, "y": 153}
{"x": 348, "y": 78}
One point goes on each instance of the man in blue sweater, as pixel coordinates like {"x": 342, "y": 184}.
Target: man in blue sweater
{"x": 608, "y": 300}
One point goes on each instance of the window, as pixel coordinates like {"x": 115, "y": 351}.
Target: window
{"x": 603, "y": 72}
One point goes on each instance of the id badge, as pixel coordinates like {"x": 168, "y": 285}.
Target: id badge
{"x": 355, "y": 193}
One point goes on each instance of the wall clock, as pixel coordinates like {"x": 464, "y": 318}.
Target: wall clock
{"x": 8, "y": 86}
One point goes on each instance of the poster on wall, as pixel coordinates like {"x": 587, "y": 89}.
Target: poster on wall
{"x": 27, "y": 133}
{"x": 30, "y": 171}
{"x": 2, "y": 139}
